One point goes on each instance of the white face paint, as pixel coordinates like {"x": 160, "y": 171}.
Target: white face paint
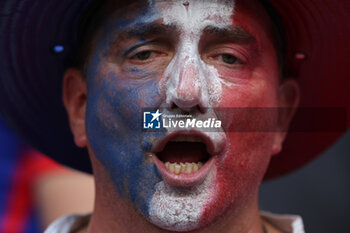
{"x": 172, "y": 208}
{"x": 187, "y": 63}
{"x": 179, "y": 209}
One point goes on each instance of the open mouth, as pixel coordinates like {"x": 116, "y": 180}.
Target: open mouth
{"x": 184, "y": 154}
{"x": 184, "y": 159}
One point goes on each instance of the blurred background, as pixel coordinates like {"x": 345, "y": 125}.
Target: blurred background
{"x": 34, "y": 190}
{"x": 319, "y": 191}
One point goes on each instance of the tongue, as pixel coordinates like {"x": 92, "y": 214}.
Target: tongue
{"x": 191, "y": 152}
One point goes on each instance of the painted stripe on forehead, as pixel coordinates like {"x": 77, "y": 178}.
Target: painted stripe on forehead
{"x": 198, "y": 15}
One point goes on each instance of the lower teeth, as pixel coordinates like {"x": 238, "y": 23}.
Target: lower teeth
{"x": 183, "y": 168}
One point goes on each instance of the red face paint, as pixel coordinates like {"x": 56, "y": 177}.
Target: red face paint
{"x": 242, "y": 168}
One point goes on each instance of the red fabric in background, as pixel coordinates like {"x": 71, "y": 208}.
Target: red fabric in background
{"x": 31, "y": 165}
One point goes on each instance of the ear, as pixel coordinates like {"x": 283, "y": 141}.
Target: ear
{"x": 74, "y": 99}
{"x": 288, "y": 101}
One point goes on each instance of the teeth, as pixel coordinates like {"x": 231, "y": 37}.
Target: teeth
{"x": 187, "y": 138}
{"x": 183, "y": 168}
{"x": 171, "y": 167}
{"x": 195, "y": 167}
{"x": 177, "y": 169}
{"x": 188, "y": 168}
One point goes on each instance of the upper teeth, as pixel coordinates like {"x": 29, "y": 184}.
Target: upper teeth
{"x": 187, "y": 138}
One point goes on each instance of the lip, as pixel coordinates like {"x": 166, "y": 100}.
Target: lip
{"x": 186, "y": 180}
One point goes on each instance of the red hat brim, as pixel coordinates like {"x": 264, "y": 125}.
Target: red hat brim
{"x": 317, "y": 35}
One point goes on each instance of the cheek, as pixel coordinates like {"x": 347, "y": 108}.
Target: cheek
{"x": 114, "y": 115}
{"x": 239, "y": 174}
{"x": 114, "y": 129}
{"x": 246, "y": 161}
{"x": 248, "y": 107}
{"x": 249, "y": 117}
{"x": 118, "y": 101}
{"x": 258, "y": 90}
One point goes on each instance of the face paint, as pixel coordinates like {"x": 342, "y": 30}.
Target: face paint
{"x": 192, "y": 20}
{"x": 183, "y": 72}
{"x": 113, "y": 117}
{"x": 172, "y": 208}
{"x": 177, "y": 209}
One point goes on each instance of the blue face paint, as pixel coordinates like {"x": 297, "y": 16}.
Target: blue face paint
{"x": 133, "y": 47}
{"x": 114, "y": 115}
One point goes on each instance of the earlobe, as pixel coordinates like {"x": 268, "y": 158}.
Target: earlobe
{"x": 288, "y": 102}
{"x": 74, "y": 99}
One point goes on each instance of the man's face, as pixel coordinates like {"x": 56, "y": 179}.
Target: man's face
{"x": 197, "y": 58}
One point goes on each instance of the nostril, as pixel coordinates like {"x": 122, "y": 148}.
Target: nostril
{"x": 173, "y": 106}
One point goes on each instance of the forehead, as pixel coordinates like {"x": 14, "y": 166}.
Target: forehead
{"x": 194, "y": 15}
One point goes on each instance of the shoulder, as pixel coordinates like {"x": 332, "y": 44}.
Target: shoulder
{"x": 68, "y": 223}
{"x": 284, "y": 222}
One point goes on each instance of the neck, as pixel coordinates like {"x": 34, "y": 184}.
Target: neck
{"x": 115, "y": 214}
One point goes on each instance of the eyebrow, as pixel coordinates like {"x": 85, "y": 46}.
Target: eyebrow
{"x": 147, "y": 31}
{"x": 234, "y": 33}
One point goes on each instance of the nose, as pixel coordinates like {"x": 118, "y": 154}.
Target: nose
{"x": 186, "y": 89}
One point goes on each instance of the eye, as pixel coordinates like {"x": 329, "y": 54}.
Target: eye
{"x": 142, "y": 56}
{"x": 228, "y": 59}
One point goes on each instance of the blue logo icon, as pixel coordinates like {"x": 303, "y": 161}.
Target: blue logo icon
{"x": 151, "y": 119}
